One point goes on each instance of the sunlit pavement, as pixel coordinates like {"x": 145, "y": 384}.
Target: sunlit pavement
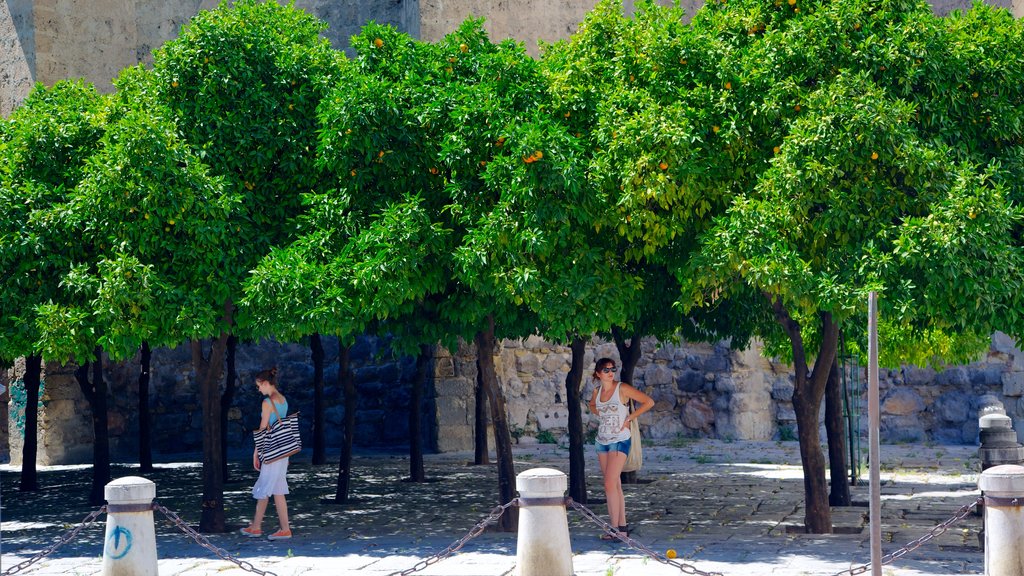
{"x": 729, "y": 507}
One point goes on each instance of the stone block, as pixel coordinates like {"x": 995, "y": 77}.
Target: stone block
{"x": 902, "y": 401}
{"x": 896, "y": 429}
{"x": 664, "y": 353}
{"x": 952, "y": 407}
{"x": 527, "y": 362}
{"x": 1013, "y": 384}
{"x": 914, "y": 376}
{"x": 690, "y": 381}
{"x": 555, "y": 363}
{"x": 717, "y": 363}
{"x": 953, "y": 376}
{"x": 454, "y": 438}
{"x": 658, "y": 375}
{"x": 698, "y": 416}
{"x": 782, "y": 389}
{"x": 986, "y": 376}
{"x": 555, "y": 416}
{"x": 1003, "y": 343}
{"x": 725, "y": 384}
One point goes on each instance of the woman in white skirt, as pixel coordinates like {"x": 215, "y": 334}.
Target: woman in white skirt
{"x": 272, "y": 480}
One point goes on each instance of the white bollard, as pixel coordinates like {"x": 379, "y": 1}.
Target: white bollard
{"x": 1003, "y": 487}
{"x": 543, "y": 547}
{"x": 129, "y": 546}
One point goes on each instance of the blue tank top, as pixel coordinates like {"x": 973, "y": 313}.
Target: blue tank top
{"x": 277, "y": 411}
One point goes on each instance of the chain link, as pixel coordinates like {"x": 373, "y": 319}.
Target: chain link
{"x": 455, "y": 546}
{"x": 609, "y": 529}
{"x": 67, "y": 537}
{"x": 205, "y": 542}
{"x": 915, "y": 544}
{"x": 478, "y": 529}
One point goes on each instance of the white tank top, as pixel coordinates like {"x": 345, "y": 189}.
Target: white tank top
{"x": 612, "y": 414}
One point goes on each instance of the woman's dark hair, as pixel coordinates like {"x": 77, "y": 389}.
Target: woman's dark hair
{"x": 268, "y": 375}
{"x": 601, "y": 363}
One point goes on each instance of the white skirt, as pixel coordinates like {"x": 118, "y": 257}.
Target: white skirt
{"x": 272, "y": 480}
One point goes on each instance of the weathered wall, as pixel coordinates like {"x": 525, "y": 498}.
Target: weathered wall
{"x": 17, "y": 53}
{"x": 701, "y": 390}
{"x": 50, "y": 40}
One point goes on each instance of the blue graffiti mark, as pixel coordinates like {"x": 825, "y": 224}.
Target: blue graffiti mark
{"x": 114, "y": 544}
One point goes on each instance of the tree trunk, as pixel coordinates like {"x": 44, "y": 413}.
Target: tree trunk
{"x": 347, "y": 383}
{"x": 96, "y": 393}
{"x": 485, "y": 343}
{"x": 809, "y": 389}
{"x": 835, "y": 432}
{"x": 577, "y": 451}
{"x": 208, "y": 371}
{"x": 29, "y": 476}
{"x": 629, "y": 356}
{"x": 145, "y": 434}
{"x": 481, "y": 454}
{"x": 316, "y": 348}
{"x": 230, "y": 385}
{"x": 416, "y": 472}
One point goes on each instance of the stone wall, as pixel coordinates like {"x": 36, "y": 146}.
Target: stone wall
{"x": 701, "y": 390}
{"x": 704, "y": 390}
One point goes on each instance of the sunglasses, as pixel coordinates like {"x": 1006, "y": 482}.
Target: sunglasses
{"x": 607, "y": 369}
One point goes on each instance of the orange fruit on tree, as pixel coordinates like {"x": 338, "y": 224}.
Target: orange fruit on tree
{"x": 378, "y": 42}
{"x": 537, "y": 154}
{"x": 352, "y": 173}
{"x": 433, "y": 170}
{"x": 728, "y": 85}
{"x": 874, "y": 155}
{"x": 463, "y": 48}
{"x": 715, "y": 129}
{"x": 776, "y": 149}
{"x": 797, "y": 107}
{"x": 174, "y": 84}
{"x": 663, "y": 166}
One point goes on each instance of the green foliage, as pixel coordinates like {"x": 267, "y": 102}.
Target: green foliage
{"x": 241, "y": 85}
{"x": 43, "y": 152}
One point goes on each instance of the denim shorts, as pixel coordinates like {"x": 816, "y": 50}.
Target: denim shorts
{"x": 621, "y": 446}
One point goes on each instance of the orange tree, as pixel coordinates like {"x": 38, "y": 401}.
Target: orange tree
{"x": 435, "y": 150}
{"x": 242, "y": 84}
{"x": 43, "y": 150}
{"x": 156, "y": 217}
{"x": 638, "y": 94}
{"x": 774, "y": 157}
{"x": 854, "y": 182}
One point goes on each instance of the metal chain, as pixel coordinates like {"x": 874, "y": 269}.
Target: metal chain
{"x": 455, "y": 546}
{"x": 67, "y": 537}
{"x": 205, "y": 542}
{"x": 609, "y": 529}
{"x": 915, "y": 544}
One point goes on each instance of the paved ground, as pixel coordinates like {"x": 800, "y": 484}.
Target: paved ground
{"x": 723, "y": 506}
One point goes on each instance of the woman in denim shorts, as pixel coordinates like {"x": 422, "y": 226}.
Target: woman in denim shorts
{"x": 609, "y": 402}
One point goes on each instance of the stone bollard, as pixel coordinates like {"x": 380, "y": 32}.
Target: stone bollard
{"x": 998, "y": 440}
{"x": 543, "y": 547}
{"x": 129, "y": 546}
{"x": 1003, "y": 487}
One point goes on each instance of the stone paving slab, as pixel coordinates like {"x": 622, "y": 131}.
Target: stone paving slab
{"x": 717, "y": 511}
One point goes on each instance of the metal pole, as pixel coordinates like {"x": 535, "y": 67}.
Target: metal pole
{"x": 873, "y": 431}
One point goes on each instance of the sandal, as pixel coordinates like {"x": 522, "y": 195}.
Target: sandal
{"x": 611, "y": 537}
